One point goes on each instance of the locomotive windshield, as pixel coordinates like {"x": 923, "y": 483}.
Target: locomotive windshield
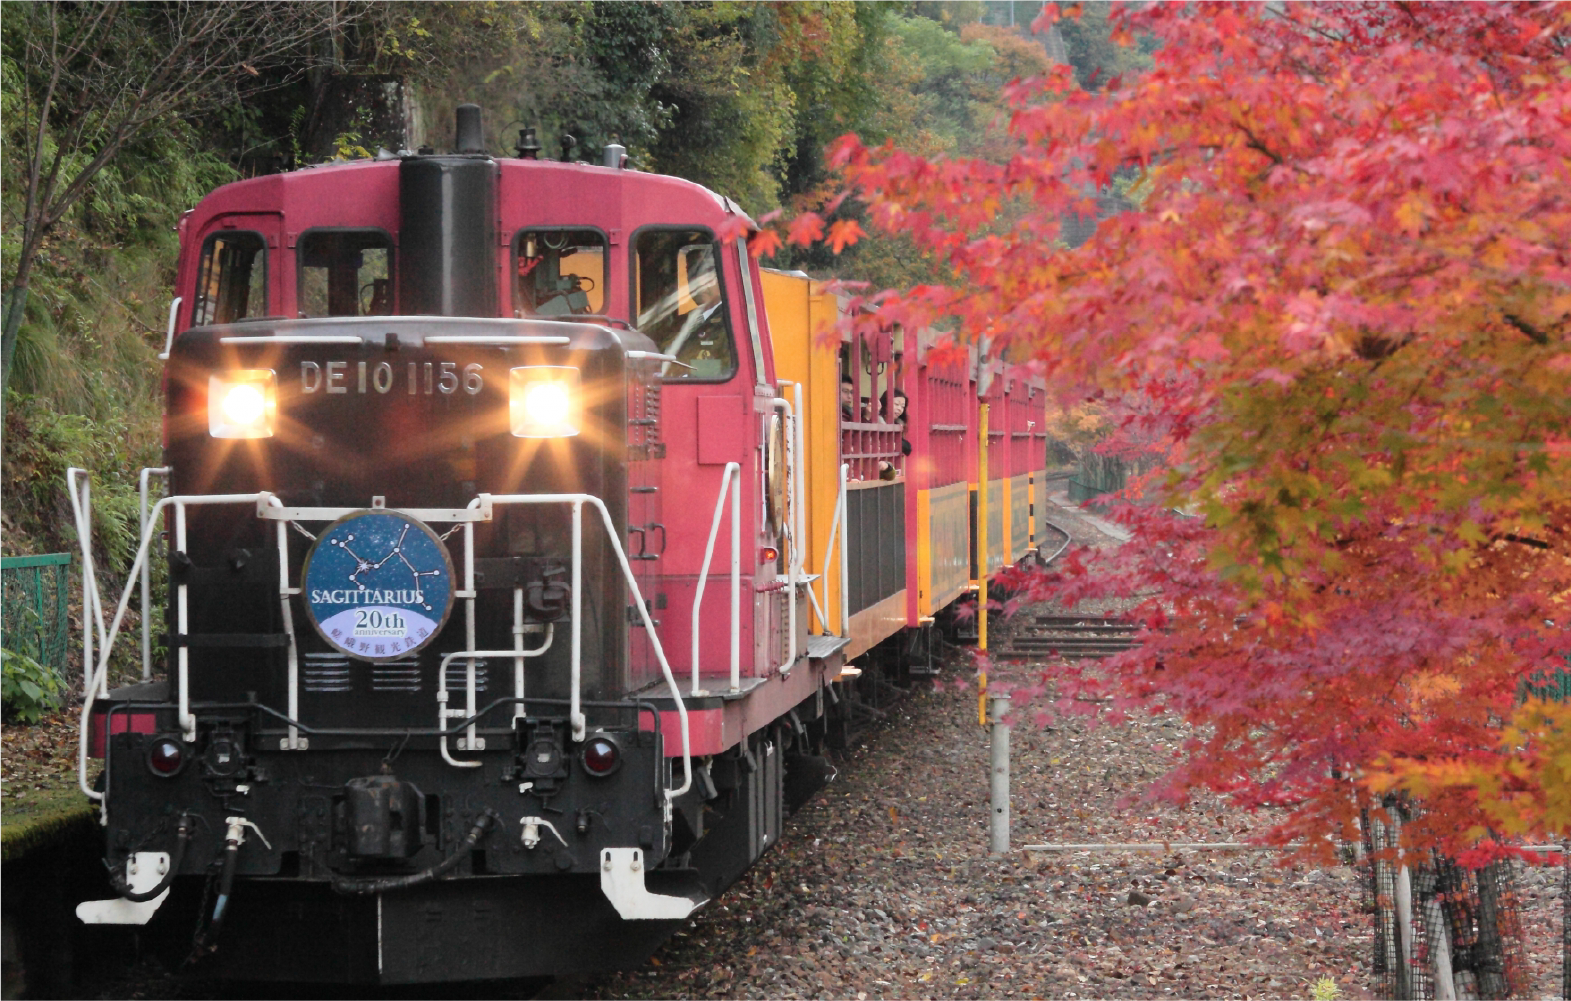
{"x": 346, "y": 273}
{"x": 559, "y": 272}
{"x": 232, "y": 282}
{"x": 681, "y": 302}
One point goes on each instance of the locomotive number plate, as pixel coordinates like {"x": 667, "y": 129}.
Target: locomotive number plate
{"x": 378, "y": 585}
{"x": 428, "y": 378}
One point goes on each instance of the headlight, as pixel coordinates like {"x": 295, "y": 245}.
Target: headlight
{"x": 242, "y": 404}
{"x": 543, "y": 401}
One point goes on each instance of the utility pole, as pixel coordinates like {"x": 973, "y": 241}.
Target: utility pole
{"x": 991, "y": 709}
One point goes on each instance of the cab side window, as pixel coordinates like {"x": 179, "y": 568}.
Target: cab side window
{"x": 680, "y": 302}
{"x": 559, "y": 272}
{"x": 345, "y": 273}
{"x": 231, "y": 283}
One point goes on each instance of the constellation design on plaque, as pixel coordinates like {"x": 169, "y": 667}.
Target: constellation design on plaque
{"x": 363, "y": 565}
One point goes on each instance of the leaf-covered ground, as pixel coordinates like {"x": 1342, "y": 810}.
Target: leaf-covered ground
{"x": 38, "y": 779}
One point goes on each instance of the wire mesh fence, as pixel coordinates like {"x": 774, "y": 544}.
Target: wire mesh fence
{"x": 1106, "y": 474}
{"x": 33, "y": 607}
{"x": 1441, "y": 930}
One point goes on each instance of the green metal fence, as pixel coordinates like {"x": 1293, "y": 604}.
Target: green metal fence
{"x": 33, "y": 613}
{"x": 1105, "y": 474}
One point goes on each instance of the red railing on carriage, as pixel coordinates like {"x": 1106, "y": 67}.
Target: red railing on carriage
{"x": 864, "y": 445}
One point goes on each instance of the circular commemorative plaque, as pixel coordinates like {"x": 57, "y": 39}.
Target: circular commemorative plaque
{"x": 378, "y": 585}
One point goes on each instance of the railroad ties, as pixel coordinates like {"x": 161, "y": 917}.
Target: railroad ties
{"x": 1073, "y": 637}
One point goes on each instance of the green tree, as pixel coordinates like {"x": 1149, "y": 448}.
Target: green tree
{"x": 93, "y": 78}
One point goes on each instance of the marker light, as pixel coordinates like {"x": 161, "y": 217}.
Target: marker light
{"x": 601, "y": 756}
{"x": 242, "y": 404}
{"x": 543, "y": 401}
{"x": 165, "y": 757}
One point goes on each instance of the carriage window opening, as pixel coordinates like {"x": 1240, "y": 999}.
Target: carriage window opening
{"x": 231, "y": 283}
{"x": 346, "y": 273}
{"x": 681, "y": 302}
{"x": 559, "y": 272}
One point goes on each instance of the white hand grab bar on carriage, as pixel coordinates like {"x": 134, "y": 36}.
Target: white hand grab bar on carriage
{"x": 784, "y": 406}
{"x": 836, "y": 531}
{"x": 731, "y": 478}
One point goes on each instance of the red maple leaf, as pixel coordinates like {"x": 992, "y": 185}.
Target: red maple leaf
{"x": 764, "y": 243}
{"x": 805, "y": 230}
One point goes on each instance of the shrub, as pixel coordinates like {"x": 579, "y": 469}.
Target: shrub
{"x": 28, "y": 689}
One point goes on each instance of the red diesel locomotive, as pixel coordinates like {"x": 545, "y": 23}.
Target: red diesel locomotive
{"x": 515, "y": 559}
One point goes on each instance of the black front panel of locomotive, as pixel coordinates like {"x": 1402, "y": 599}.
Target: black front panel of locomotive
{"x": 420, "y": 426}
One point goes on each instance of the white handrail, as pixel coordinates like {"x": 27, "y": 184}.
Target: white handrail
{"x": 293, "y": 742}
{"x": 97, "y": 676}
{"x": 790, "y": 529}
{"x": 575, "y": 715}
{"x": 829, "y": 550}
{"x": 92, "y": 607}
{"x": 100, "y": 673}
{"x": 147, "y": 577}
{"x": 800, "y": 499}
{"x": 169, "y": 335}
{"x": 845, "y": 569}
{"x": 731, "y": 477}
{"x": 443, "y": 714}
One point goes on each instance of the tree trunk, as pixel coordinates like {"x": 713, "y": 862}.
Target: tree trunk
{"x": 15, "y": 307}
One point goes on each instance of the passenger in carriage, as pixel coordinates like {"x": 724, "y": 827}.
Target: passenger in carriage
{"x": 847, "y": 398}
{"x": 896, "y": 415}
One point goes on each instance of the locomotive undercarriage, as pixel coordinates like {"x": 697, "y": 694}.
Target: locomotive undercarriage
{"x": 325, "y": 899}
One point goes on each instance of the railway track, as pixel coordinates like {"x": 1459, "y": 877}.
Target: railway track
{"x": 1074, "y": 637}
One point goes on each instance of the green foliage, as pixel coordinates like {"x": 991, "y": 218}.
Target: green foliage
{"x": 953, "y": 14}
{"x": 28, "y": 689}
{"x": 1096, "y": 57}
{"x": 41, "y": 443}
{"x": 1325, "y": 989}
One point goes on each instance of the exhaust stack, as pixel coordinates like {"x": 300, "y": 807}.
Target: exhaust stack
{"x": 447, "y": 233}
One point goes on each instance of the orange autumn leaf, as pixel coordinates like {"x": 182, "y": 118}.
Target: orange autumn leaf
{"x": 805, "y": 230}
{"x": 843, "y": 233}
{"x": 764, "y": 243}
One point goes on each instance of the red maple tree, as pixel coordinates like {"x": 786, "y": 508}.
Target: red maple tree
{"x": 1343, "y": 295}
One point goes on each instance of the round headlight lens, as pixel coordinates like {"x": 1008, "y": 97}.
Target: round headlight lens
{"x": 165, "y": 756}
{"x": 244, "y": 404}
{"x": 601, "y": 756}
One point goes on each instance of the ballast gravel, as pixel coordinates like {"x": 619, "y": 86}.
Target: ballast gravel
{"x": 881, "y": 887}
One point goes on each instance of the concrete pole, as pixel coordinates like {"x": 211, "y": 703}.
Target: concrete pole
{"x": 999, "y": 779}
